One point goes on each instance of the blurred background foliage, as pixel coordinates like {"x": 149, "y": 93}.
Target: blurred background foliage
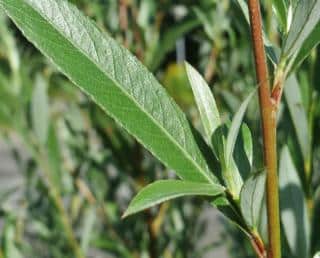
{"x": 80, "y": 169}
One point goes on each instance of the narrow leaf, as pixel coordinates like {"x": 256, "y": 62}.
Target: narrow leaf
{"x": 294, "y": 215}
{"x": 310, "y": 43}
{"x": 243, "y": 152}
{"x": 306, "y": 16}
{"x": 40, "y": 109}
{"x": 280, "y": 8}
{"x": 205, "y": 101}
{"x": 234, "y": 129}
{"x": 298, "y": 114}
{"x": 114, "y": 79}
{"x": 251, "y": 198}
{"x": 164, "y": 190}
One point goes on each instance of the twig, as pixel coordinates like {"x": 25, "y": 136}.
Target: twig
{"x": 268, "y": 114}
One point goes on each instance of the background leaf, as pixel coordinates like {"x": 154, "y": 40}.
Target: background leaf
{"x": 298, "y": 114}
{"x": 294, "y": 214}
{"x": 40, "y": 109}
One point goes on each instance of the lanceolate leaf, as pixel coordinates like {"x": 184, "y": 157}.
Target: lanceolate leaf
{"x": 234, "y": 129}
{"x": 294, "y": 215}
{"x": 311, "y": 42}
{"x": 205, "y": 101}
{"x": 306, "y": 16}
{"x": 251, "y": 198}
{"x": 298, "y": 114}
{"x": 114, "y": 79}
{"x": 243, "y": 152}
{"x": 40, "y": 109}
{"x": 281, "y": 12}
{"x": 164, "y": 190}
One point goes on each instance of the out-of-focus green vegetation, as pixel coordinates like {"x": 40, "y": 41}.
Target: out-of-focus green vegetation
{"x": 80, "y": 169}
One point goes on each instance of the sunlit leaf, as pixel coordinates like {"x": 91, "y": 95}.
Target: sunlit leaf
{"x": 235, "y": 127}
{"x": 205, "y": 102}
{"x": 114, "y": 79}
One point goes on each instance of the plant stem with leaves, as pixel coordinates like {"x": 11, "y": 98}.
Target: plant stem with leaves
{"x": 269, "y": 123}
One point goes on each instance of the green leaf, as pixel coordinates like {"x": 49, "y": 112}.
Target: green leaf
{"x": 54, "y": 158}
{"x": 164, "y": 190}
{"x": 89, "y": 220}
{"x": 251, "y": 198}
{"x": 306, "y": 16}
{"x": 280, "y": 8}
{"x": 205, "y": 101}
{"x": 40, "y": 109}
{"x": 298, "y": 114}
{"x": 294, "y": 214}
{"x": 235, "y": 127}
{"x": 114, "y": 79}
{"x": 243, "y": 152}
{"x": 247, "y": 142}
{"x": 310, "y": 43}
{"x": 10, "y": 248}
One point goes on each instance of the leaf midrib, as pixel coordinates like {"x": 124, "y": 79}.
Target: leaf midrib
{"x": 204, "y": 174}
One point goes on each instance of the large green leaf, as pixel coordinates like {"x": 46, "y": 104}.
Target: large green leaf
{"x": 294, "y": 214}
{"x": 205, "y": 102}
{"x": 164, "y": 190}
{"x": 298, "y": 114}
{"x": 251, "y": 198}
{"x": 114, "y": 79}
{"x": 306, "y": 16}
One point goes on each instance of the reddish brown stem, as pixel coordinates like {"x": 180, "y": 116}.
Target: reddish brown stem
{"x": 268, "y": 114}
